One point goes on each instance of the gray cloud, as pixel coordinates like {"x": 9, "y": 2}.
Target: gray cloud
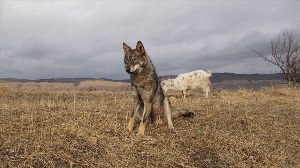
{"x": 73, "y": 38}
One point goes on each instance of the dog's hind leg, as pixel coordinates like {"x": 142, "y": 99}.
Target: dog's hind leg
{"x": 167, "y": 110}
{"x": 158, "y": 117}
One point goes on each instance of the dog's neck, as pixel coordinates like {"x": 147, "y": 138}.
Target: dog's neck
{"x": 146, "y": 75}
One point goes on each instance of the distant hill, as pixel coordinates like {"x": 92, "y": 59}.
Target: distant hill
{"x": 216, "y": 77}
{"x": 52, "y": 80}
{"x": 218, "y": 80}
{"x": 220, "y": 77}
{"x": 236, "y": 81}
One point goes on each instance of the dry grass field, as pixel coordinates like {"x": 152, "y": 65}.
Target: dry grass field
{"x": 242, "y": 128}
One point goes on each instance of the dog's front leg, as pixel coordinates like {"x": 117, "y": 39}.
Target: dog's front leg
{"x": 137, "y": 106}
{"x": 135, "y": 111}
{"x": 146, "y": 112}
{"x": 132, "y": 115}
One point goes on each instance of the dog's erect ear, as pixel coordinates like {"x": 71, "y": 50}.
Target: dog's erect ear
{"x": 126, "y": 48}
{"x": 140, "y": 47}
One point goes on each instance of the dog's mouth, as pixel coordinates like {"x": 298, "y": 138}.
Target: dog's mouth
{"x": 134, "y": 70}
{"x": 130, "y": 72}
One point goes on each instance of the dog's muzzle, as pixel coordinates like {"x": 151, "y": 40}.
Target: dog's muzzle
{"x": 133, "y": 70}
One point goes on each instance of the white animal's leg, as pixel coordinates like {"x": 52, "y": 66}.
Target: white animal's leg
{"x": 184, "y": 93}
{"x": 207, "y": 91}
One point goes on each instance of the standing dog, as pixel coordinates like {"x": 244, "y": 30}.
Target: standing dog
{"x": 149, "y": 98}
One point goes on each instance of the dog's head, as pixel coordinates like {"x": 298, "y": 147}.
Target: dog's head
{"x": 134, "y": 59}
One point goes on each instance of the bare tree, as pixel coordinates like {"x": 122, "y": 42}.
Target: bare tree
{"x": 286, "y": 55}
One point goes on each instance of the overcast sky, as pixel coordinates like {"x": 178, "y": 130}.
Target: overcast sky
{"x": 83, "y": 38}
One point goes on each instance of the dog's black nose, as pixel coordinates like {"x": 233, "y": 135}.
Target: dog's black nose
{"x": 127, "y": 70}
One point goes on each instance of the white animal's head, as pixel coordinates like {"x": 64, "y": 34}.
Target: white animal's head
{"x": 166, "y": 84}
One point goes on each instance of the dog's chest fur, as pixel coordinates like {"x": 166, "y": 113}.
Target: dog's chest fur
{"x": 145, "y": 80}
{"x": 147, "y": 84}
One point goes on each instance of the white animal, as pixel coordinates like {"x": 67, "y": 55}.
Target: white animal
{"x": 191, "y": 80}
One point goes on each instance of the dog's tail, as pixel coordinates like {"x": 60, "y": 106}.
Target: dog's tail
{"x": 177, "y": 112}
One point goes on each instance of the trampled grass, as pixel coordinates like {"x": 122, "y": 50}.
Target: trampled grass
{"x": 243, "y": 128}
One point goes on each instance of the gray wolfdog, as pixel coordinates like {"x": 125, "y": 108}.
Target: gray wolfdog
{"x": 150, "y": 101}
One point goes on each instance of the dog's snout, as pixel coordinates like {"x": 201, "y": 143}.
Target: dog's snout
{"x": 133, "y": 69}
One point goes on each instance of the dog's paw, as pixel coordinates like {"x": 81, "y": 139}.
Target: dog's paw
{"x": 130, "y": 129}
{"x": 141, "y": 129}
{"x": 141, "y": 133}
{"x": 130, "y": 125}
{"x": 171, "y": 127}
